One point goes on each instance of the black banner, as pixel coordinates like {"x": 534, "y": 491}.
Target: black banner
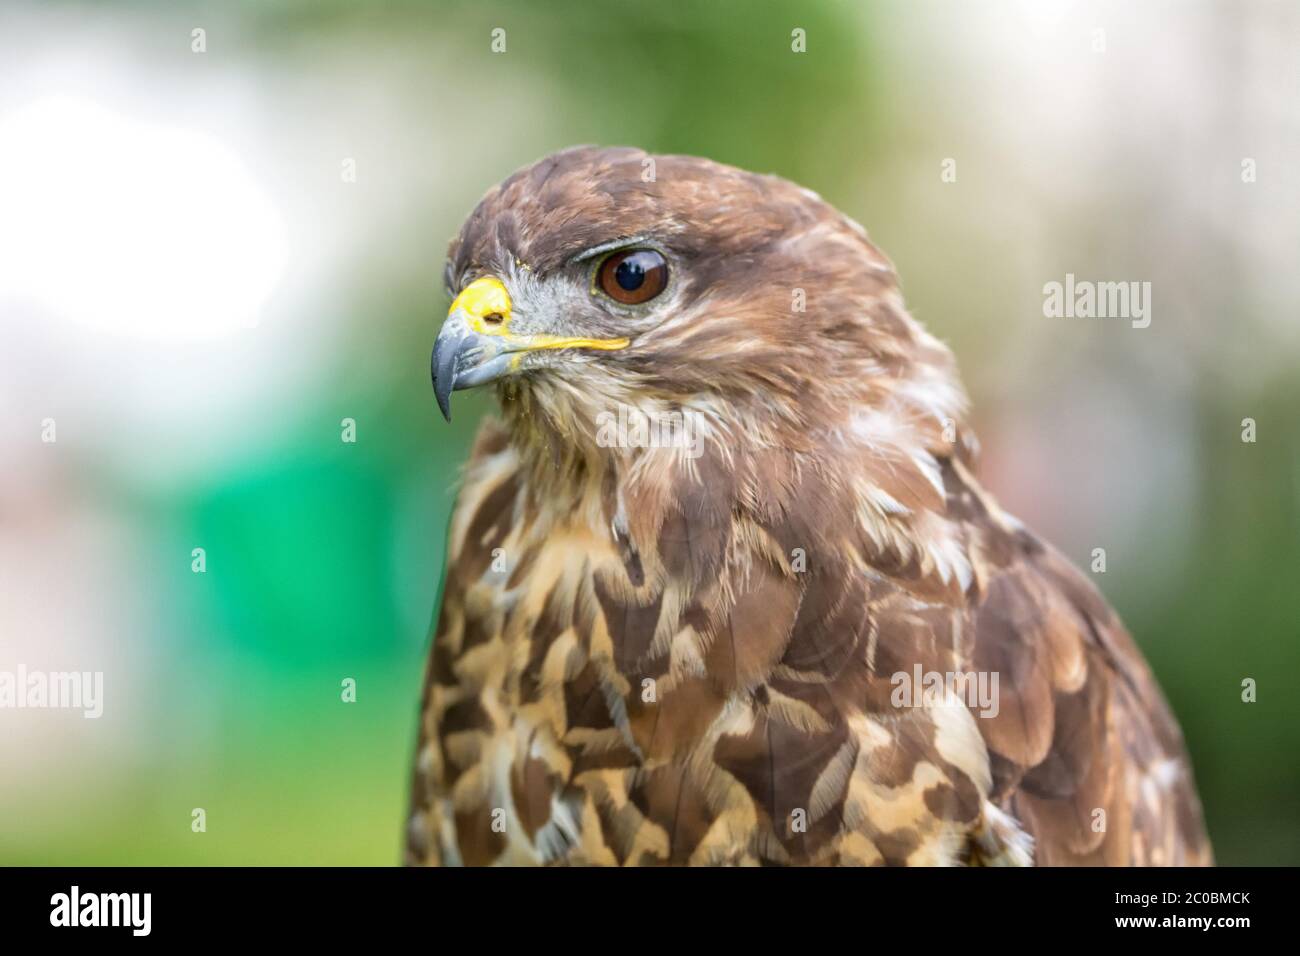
{"x": 331, "y": 905}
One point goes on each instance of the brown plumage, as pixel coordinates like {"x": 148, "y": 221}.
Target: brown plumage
{"x": 690, "y": 652}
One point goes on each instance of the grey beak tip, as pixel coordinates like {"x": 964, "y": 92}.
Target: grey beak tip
{"x": 442, "y": 369}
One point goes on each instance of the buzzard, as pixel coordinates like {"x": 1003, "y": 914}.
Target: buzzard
{"x": 722, "y": 586}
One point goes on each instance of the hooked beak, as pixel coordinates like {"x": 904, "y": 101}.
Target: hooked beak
{"x": 476, "y": 345}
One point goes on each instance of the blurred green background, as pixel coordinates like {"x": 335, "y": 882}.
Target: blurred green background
{"x": 210, "y": 259}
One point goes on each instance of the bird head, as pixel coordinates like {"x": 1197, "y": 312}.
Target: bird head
{"x": 603, "y": 278}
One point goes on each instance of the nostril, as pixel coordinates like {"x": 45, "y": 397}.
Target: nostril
{"x": 494, "y": 318}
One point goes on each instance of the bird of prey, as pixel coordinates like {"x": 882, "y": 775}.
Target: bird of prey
{"x": 722, "y": 587}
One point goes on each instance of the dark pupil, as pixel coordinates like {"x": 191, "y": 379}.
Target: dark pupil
{"x": 629, "y": 274}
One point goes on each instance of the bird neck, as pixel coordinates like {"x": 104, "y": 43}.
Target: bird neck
{"x": 871, "y": 479}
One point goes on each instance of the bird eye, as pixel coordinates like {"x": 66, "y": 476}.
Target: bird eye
{"x": 633, "y": 276}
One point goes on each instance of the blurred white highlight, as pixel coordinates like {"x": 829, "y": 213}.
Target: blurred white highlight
{"x": 154, "y": 232}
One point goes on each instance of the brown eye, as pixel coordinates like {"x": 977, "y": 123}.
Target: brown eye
{"x": 634, "y": 276}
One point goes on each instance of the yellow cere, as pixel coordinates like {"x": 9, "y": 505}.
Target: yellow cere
{"x": 488, "y": 297}
{"x": 484, "y": 297}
